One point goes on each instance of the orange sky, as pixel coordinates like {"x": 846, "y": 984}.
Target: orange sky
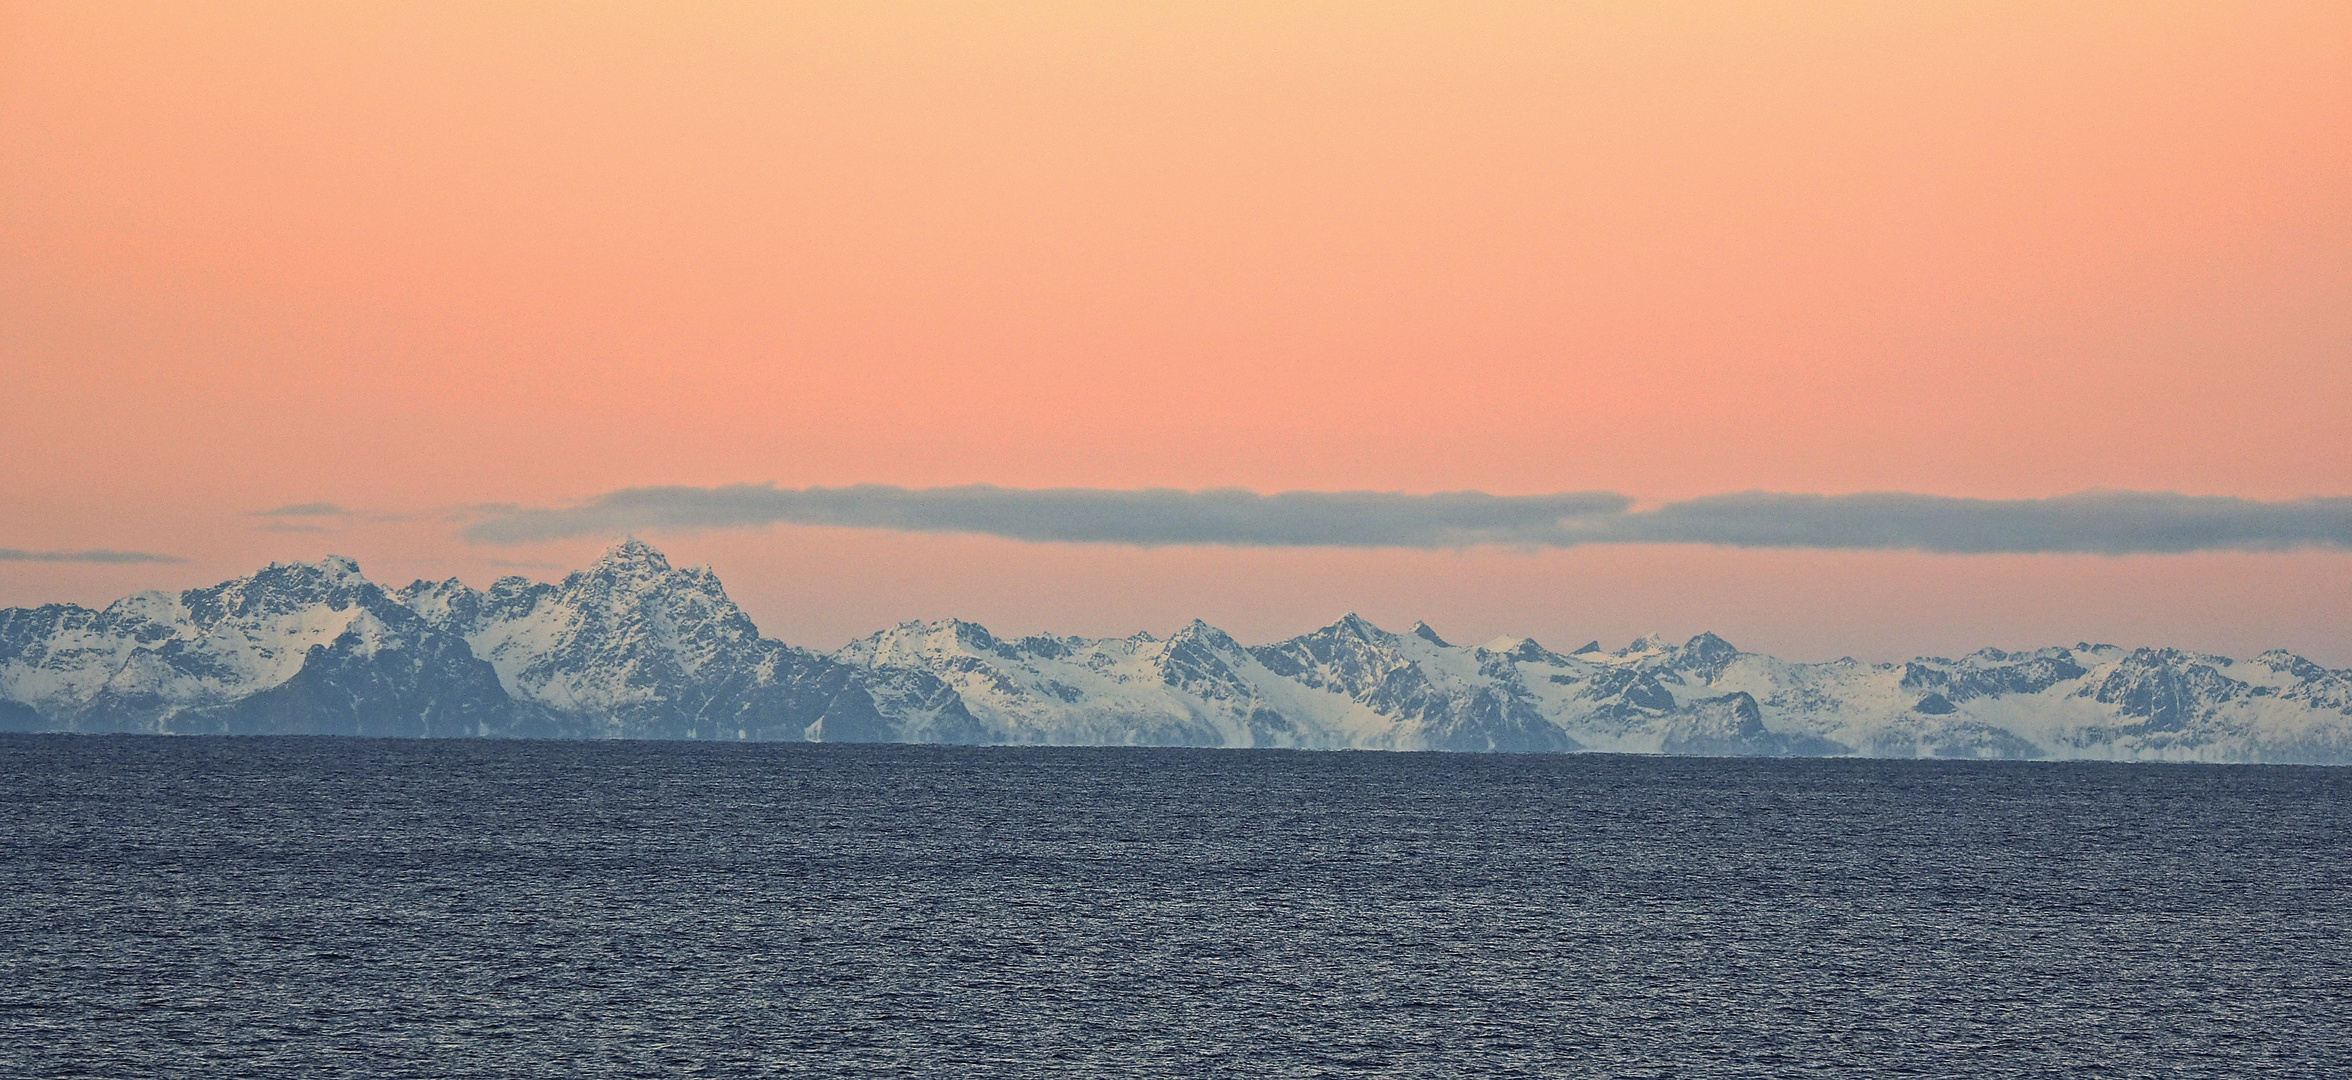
{"x": 409, "y": 257}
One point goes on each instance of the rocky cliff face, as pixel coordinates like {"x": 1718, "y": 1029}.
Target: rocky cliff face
{"x": 633, "y": 647}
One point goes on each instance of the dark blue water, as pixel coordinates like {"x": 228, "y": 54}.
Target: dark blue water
{"x": 224, "y": 907}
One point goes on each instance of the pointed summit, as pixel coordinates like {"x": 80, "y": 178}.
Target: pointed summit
{"x": 1707, "y": 646}
{"x": 1201, "y": 631}
{"x": 970, "y": 634}
{"x": 1648, "y": 643}
{"x": 1706, "y": 656}
{"x": 1428, "y": 633}
{"x": 1355, "y": 626}
{"x": 338, "y": 569}
{"x": 633, "y": 556}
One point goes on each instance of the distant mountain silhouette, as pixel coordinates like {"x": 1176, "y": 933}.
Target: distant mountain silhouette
{"x": 633, "y": 647}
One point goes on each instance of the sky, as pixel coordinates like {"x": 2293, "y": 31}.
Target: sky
{"x": 1835, "y": 328}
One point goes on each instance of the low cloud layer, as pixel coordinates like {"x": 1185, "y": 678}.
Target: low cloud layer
{"x": 2104, "y": 522}
{"x": 317, "y": 509}
{"x": 98, "y": 555}
{"x": 1150, "y": 518}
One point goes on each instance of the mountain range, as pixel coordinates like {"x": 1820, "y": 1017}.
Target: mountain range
{"x": 633, "y": 647}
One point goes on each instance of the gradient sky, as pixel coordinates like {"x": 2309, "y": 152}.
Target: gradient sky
{"x": 406, "y": 259}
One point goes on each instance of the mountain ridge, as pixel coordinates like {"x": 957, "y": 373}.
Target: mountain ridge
{"x": 633, "y": 647}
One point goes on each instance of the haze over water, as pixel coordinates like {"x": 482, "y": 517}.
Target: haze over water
{"x": 289, "y": 906}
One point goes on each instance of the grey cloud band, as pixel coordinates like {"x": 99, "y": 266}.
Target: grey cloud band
{"x": 100, "y": 555}
{"x": 2102, "y": 522}
{"x": 1155, "y": 517}
{"x": 2107, "y": 522}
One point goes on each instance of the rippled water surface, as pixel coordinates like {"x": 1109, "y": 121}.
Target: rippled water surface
{"x": 220, "y": 907}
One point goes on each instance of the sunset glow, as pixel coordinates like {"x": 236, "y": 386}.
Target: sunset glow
{"x": 391, "y": 267}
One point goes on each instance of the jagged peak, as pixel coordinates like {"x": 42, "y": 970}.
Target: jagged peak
{"x": 513, "y": 585}
{"x": 1356, "y": 626}
{"x": 429, "y": 587}
{"x": 146, "y": 603}
{"x": 1428, "y": 633}
{"x": 1648, "y": 643}
{"x": 341, "y": 569}
{"x": 632, "y": 555}
{"x": 423, "y": 589}
{"x": 1588, "y": 648}
{"x": 289, "y": 580}
{"x": 1519, "y": 648}
{"x": 1706, "y": 644}
{"x": 946, "y": 628}
{"x": 1201, "y": 630}
{"x": 279, "y": 588}
{"x": 969, "y": 633}
{"x": 1995, "y": 657}
{"x": 2287, "y": 663}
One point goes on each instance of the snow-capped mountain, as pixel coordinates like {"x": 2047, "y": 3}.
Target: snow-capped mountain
{"x": 633, "y": 647}
{"x": 1197, "y": 687}
{"x": 305, "y": 648}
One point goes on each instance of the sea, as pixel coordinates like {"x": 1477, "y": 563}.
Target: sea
{"x": 223, "y": 907}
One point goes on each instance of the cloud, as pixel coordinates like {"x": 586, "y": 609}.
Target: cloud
{"x": 1149, "y": 518}
{"x": 96, "y": 555}
{"x": 2101, "y": 522}
{"x": 2106, "y": 522}
{"x": 292, "y": 527}
{"x": 337, "y": 510}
